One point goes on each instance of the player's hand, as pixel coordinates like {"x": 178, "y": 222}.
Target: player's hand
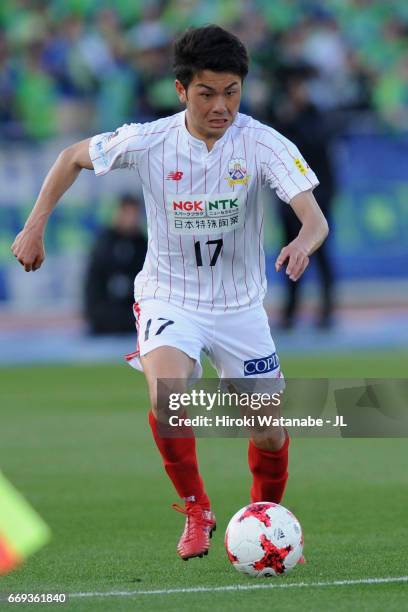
{"x": 298, "y": 259}
{"x": 28, "y": 248}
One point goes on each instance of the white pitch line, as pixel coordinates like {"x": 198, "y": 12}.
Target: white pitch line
{"x": 243, "y": 587}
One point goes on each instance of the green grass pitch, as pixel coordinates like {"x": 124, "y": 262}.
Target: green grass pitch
{"x": 76, "y": 443}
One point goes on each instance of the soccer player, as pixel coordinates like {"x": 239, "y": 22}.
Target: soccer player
{"x": 203, "y": 281}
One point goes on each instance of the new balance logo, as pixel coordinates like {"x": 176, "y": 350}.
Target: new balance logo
{"x": 175, "y": 176}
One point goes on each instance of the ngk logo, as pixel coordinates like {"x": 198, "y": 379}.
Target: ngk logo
{"x": 196, "y": 205}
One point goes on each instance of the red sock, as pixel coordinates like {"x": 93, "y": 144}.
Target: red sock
{"x": 180, "y": 463}
{"x": 270, "y": 472}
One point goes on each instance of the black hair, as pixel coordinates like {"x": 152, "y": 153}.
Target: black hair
{"x": 208, "y": 48}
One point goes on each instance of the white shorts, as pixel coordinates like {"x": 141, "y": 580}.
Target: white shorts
{"x": 238, "y": 344}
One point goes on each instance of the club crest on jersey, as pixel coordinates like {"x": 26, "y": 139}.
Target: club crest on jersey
{"x": 237, "y": 172}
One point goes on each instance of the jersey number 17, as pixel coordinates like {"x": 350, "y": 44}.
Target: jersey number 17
{"x": 218, "y": 247}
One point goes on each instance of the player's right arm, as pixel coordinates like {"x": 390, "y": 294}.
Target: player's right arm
{"x": 28, "y": 247}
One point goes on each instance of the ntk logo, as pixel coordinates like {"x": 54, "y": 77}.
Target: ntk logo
{"x": 227, "y": 204}
{"x": 175, "y": 176}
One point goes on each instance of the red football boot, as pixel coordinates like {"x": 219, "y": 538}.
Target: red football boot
{"x": 195, "y": 539}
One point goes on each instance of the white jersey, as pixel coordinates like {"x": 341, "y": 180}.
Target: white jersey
{"x": 204, "y": 210}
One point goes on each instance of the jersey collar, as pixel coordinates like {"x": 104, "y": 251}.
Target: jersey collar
{"x": 196, "y": 142}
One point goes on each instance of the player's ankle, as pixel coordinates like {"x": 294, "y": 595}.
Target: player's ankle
{"x": 202, "y": 501}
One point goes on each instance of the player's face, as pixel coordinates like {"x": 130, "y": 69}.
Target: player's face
{"x": 212, "y": 101}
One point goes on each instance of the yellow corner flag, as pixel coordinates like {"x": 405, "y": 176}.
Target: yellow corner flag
{"x": 22, "y": 530}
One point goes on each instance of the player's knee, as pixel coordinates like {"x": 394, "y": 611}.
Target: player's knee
{"x": 165, "y": 398}
{"x": 271, "y": 440}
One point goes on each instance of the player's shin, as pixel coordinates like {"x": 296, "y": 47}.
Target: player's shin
{"x": 269, "y": 471}
{"x": 180, "y": 462}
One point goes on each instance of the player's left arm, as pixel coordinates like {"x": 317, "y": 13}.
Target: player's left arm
{"x": 312, "y": 234}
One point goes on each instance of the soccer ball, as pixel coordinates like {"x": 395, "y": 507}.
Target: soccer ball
{"x": 264, "y": 539}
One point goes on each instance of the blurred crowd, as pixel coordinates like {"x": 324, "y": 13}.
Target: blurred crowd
{"x": 83, "y": 66}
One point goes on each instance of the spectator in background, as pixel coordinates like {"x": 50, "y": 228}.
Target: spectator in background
{"x": 301, "y": 121}
{"x": 36, "y": 95}
{"x": 118, "y": 254}
{"x": 150, "y": 52}
{"x": 61, "y": 61}
{"x": 9, "y": 126}
{"x": 391, "y": 95}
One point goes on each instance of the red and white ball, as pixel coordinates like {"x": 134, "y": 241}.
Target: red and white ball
{"x": 264, "y": 539}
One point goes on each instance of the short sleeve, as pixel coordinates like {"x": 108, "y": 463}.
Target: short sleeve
{"x": 113, "y": 150}
{"x": 284, "y": 169}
